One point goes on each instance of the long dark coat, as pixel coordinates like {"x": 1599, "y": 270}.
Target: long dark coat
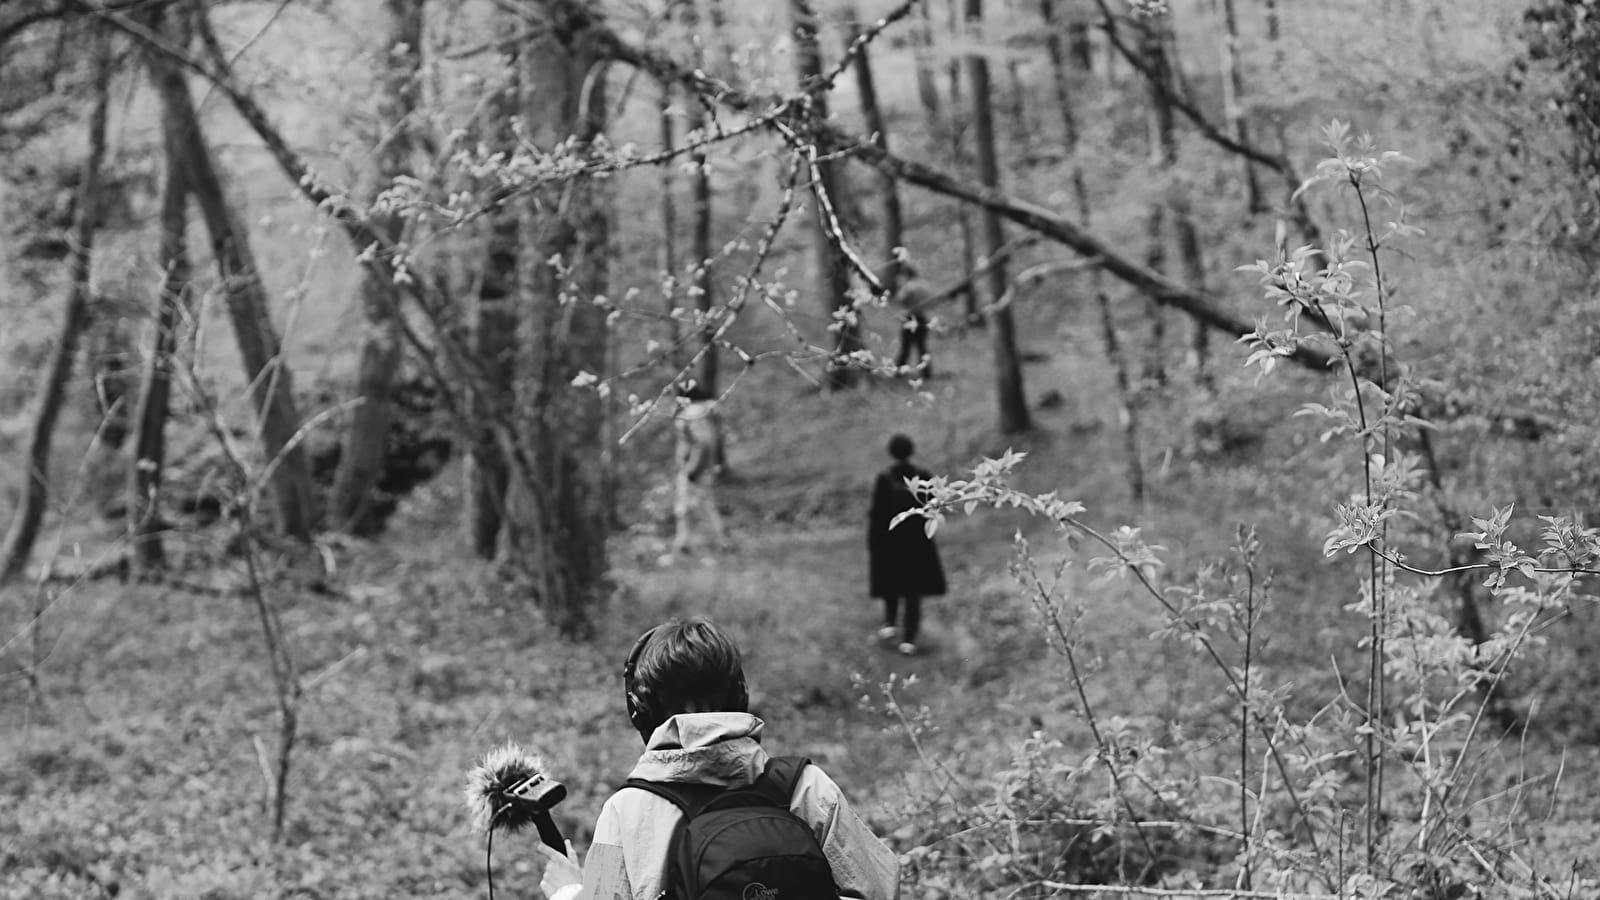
{"x": 903, "y": 561}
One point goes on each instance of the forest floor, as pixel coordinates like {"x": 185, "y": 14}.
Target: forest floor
{"x": 138, "y": 724}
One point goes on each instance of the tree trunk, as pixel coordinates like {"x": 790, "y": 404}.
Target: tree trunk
{"x": 155, "y": 389}
{"x": 1153, "y": 367}
{"x": 566, "y": 97}
{"x": 361, "y": 460}
{"x": 962, "y": 160}
{"x": 493, "y": 328}
{"x": 1016, "y": 89}
{"x": 889, "y": 188}
{"x": 946, "y": 135}
{"x": 708, "y": 372}
{"x": 1128, "y": 408}
{"x": 922, "y": 58}
{"x": 1174, "y": 208}
{"x": 1080, "y": 45}
{"x": 1060, "y": 77}
{"x": 271, "y": 386}
{"x": 1188, "y": 241}
{"x": 833, "y": 269}
{"x": 24, "y": 529}
{"x": 667, "y": 250}
{"x": 1233, "y": 112}
{"x": 1010, "y": 399}
{"x": 1163, "y": 153}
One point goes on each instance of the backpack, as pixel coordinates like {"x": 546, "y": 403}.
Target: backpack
{"x": 743, "y": 843}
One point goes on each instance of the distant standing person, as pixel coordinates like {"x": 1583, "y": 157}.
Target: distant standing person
{"x": 699, "y": 451}
{"x": 903, "y": 562}
{"x": 910, "y": 298}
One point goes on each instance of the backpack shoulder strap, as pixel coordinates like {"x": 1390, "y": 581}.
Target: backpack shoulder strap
{"x": 777, "y": 781}
{"x": 775, "y": 785}
{"x": 690, "y": 798}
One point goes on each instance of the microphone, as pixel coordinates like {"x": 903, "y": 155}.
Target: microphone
{"x": 509, "y": 791}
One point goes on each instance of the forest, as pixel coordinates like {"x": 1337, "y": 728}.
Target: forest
{"x": 374, "y": 372}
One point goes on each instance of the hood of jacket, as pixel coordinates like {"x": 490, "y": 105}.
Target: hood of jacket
{"x": 721, "y": 748}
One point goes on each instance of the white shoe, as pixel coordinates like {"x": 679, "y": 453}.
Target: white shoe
{"x": 908, "y": 649}
{"x": 887, "y": 633}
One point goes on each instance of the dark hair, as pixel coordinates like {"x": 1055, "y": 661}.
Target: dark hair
{"x": 900, "y": 447}
{"x": 684, "y": 666}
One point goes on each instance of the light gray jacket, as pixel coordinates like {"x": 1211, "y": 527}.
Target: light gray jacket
{"x": 628, "y": 859}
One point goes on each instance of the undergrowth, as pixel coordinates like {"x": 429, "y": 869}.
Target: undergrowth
{"x": 1411, "y": 777}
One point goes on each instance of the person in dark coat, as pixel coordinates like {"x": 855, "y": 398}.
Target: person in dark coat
{"x": 903, "y": 562}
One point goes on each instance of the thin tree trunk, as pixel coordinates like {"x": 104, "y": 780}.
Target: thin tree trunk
{"x": 155, "y": 389}
{"x": 961, "y": 158}
{"x": 1298, "y": 211}
{"x": 1016, "y": 89}
{"x": 1060, "y": 76}
{"x": 1163, "y": 153}
{"x": 24, "y": 529}
{"x": 888, "y": 187}
{"x": 700, "y": 249}
{"x": 927, "y": 83}
{"x": 1184, "y": 237}
{"x": 833, "y": 270}
{"x": 361, "y": 460}
{"x": 1233, "y": 112}
{"x": 271, "y": 385}
{"x": 946, "y": 135}
{"x": 1011, "y": 403}
{"x": 668, "y": 248}
{"x": 1080, "y": 45}
{"x": 1129, "y": 410}
{"x": 493, "y": 336}
{"x": 1188, "y": 241}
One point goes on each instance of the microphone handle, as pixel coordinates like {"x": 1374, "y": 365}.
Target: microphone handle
{"x": 549, "y": 833}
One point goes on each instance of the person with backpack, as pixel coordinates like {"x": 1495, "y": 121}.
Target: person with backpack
{"x": 701, "y": 458}
{"x": 912, "y": 298}
{"x": 902, "y": 561}
{"x": 706, "y": 812}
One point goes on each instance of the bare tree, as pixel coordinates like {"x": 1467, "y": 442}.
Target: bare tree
{"x": 667, "y": 249}
{"x": 961, "y": 157}
{"x": 888, "y": 188}
{"x": 1011, "y": 402}
{"x": 366, "y": 431}
{"x": 700, "y": 250}
{"x": 1173, "y": 207}
{"x": 270, "y": 383}
{"x": 1115, "y": 355}
{"x": 833, "y": 268}
{"x": 946, "y": 133}
{"x": 1232, "y": 108}
{"x": 172, "y": 303}
{"x": 563, "y": 537}
{"x": 1163, "y": 152}
{"x": 492, "y": 326}
{"x": 24, "y": 529}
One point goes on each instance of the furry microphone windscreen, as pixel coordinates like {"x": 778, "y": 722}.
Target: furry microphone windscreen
{"x": 508, "y": 789}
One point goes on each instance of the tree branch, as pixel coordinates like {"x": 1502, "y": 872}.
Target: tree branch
{"x": 1182, "y": 104}
{"x": 1202, "y": 306}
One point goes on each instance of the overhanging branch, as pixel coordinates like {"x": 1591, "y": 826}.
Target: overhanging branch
{"x": 1202, "y": 306}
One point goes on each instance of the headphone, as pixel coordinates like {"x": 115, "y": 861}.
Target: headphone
{"x": 644, "y": 708}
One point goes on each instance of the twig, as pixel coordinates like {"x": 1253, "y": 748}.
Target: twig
{"x": 1221, "y": 893}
